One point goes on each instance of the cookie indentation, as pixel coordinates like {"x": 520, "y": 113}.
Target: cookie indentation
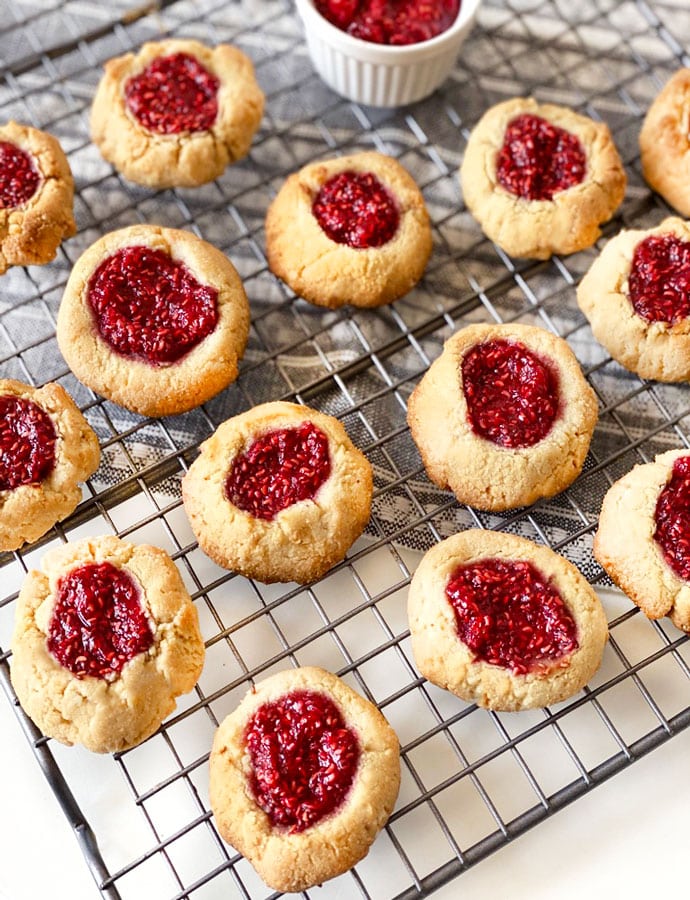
{"x": 672, "y": 517}
{"x": 659, "y": 280}
{"x": 355, "y": 208}
{"x": 173, "y": 94}
{"x": 19, "y": 177}
{"x": 538, "y": 159}
{"x": 304, "y": 759}
{"x": 98, "y": 622}
{"x": 27, "y": 443}
{"x": 395, "y": 22}
{"x": 280, "y": 468}
{"x": 510, "y": 615}
{"x": 512, "y": 394}
{"x": 150, "y": 307}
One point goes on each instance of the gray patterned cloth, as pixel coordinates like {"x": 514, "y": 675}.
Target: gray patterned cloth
{"x": 603, "y": 57}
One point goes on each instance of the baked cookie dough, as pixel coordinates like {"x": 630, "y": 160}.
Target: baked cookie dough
{"x": 154, "y": 319}
{"x": 503, "y": 417}
{"x": 176, "y": 113}
{"x": 278, "y": 493}
{"x": 540, "y": 179}
{"x": 643, "y": 538}
{"x": 303, "y": 776}
{"x": 636, "y": 296}
{"x": 665, "y": 143}
{"x": 46, "y": 448}
{"x": 36, "y": 196}
{"x": 105, "y": 638}
{"x": 349, "y": 230}
{"x": 503, "y": 622}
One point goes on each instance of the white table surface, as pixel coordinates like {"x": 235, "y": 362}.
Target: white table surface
{"x": 627, "y": 838}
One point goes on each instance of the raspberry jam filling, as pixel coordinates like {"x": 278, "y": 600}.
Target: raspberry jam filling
{"x": 510, "y": 615}
{"x": 659, "y": 281}
{"x": 390, "y": 21}
{"x": 173, "y": 94}
{"x": 538, "y": 159}
{"x": 354, "y": 208}
{"x": 27, "y": 443}
{"x": 280, "y": 468}
{"x": 304, "y": 759}
{"x": 150, "y": 307}
{"x": 512, "y": 394}
{"x": 19, "y": 177}
{"x": 672, "y": 517}
{"x": 98, "y": 622}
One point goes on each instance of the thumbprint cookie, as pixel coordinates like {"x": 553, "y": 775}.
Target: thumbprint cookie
{"x": 643, "y": 538}
{"x": 504, "y": 416}
{"x": 46, "y": 448}
{"x": 349, "y": 230}
{"x": 303, "y": 776}
{"x": 540, "y": 179}
{"x": 154, "y": 319}
{"x": 636, "y": 296}
{"x": 176, "y": 113}
{"x": 36, "y": 196}
{"x": 503, "y": 622}
{"x": 278, "y": 493}
{"x": 665, "y": 143}
{"x": 105, "y": 639}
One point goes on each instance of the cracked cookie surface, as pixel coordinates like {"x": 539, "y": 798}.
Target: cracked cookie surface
{"x": 665, "y": 142}
{"x": 146, "y": 143}
{"x": 121, "y": 334}
{"x": 36, "y": 220}
{"x": 570, "y": 219}
{"x": 329, "y": 272}
{"x": 116, "y": 711}
{"x": 273, "y": 525}
{"x": 31, "y": 503}
{"x": 652, "y": 340}
{"x": 294, "y": 859}
{"x": 630, "y": 542}
{"x": 535, "y": 680}
{"x": 492, "y": 471}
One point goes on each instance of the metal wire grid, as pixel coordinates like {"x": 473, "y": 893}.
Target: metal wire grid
{"x": 471, "y": 779}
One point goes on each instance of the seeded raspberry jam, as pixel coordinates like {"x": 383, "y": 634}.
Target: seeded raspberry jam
{"x": 538, "y": 159}
{"x": 512, "y": 394}
{"x": 510, "y": 615}
{"x": 672, "y": 518}
{"x": 394, "y": 22}
{"x": 304, "y": 759}
{"x": 173, "y": 94}
{"x": 354, "y": 208}
{"x": 659, "y": 281}
{"x": 98, "y": 622}
{"x": 27, "y": 443}
{"x": 19, "y": 177}
{"x": 150, "y": 307}
{"x": 280, "y": 468}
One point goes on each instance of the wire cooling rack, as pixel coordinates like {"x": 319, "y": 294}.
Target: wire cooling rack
{"x": 471, "y": 779}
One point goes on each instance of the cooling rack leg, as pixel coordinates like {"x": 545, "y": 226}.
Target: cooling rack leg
{"x": 70, "y": 807}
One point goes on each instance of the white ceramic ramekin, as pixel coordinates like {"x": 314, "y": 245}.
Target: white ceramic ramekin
{"x": 378, "y": 74}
